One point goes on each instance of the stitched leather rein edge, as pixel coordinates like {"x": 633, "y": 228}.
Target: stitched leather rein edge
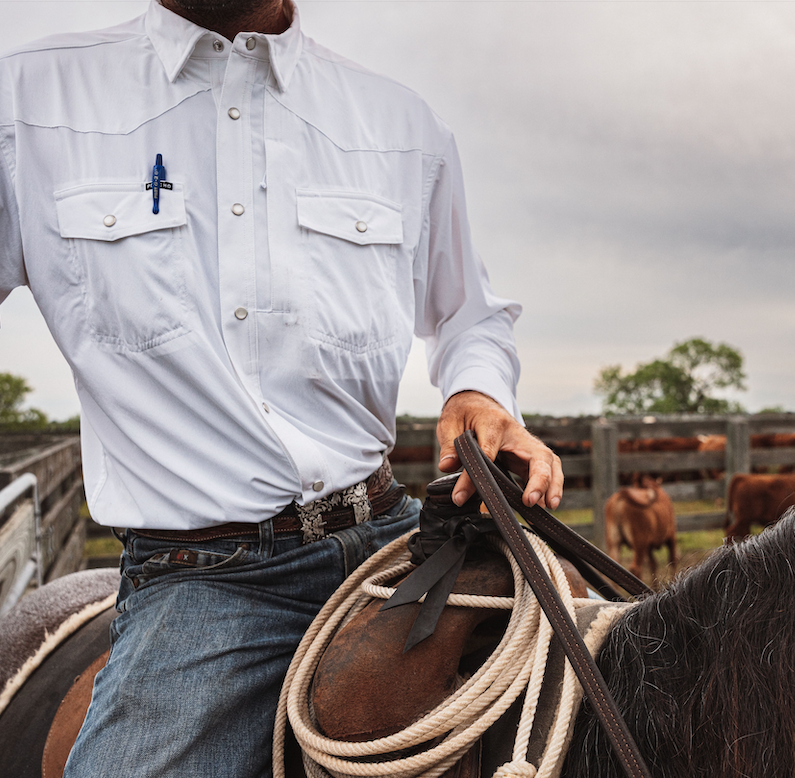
{"x": 479, "y": 468}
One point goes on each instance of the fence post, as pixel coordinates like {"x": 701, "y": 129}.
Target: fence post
{"x": 604, "y": 473}
{"x": 738, "y": 449}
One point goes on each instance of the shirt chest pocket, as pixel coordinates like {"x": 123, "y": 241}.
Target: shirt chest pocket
{"x": 129, "y": 260}
{"x": 351, "y": 243}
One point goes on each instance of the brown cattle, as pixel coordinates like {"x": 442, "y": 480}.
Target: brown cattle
{"x": 643, "y": 519}
{"x": 757, "y": 441}
{"x": 761, "y": 440}
{"x": 655, "y": 445}
{"x": 712, "y": 443}
{"x": 640, "y": 445}
{"x": 784, "y": 440}
{"x": 757, "y": 499}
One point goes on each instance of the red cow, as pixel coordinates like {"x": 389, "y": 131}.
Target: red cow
{"x": 784, "y": 440}
{"x": 639, "y": 445}
{"x": 757, "y": 441}
{"x": 643, "y": 519}
{"x": 757, "y": 499}
{"x": 761, "y": 440}
{"x": 655, "y": 445}
{"x": 712, "y": 443}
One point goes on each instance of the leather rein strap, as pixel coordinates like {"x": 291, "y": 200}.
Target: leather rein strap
{"x": 482, "y": 472}
{"x": 565, "y": 541}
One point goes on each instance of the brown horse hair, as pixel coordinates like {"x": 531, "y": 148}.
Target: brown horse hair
{"x": 704, "y": 671}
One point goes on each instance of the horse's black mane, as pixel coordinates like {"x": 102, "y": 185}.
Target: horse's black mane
{"x": 704, "y": 671}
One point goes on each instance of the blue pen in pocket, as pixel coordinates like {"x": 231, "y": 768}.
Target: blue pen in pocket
{"x": 158, "y": 175}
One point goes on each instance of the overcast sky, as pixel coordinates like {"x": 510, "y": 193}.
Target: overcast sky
{"x": 630, "y": 171}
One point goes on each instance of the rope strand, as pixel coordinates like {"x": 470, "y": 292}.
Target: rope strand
{"x": 516, "y": 666}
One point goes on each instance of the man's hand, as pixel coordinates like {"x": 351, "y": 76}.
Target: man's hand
{"x": 498, "y": 432}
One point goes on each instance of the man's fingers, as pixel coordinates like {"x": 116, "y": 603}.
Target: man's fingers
{"x": 464, "y": 489}
{"x": 490, "y": 441}
{"x": 545, "y": 480}
{"x": 497, "y": 431}
{"x": 555, "y": 491}
{"x": 448, "y": 456}
{"x": 449, "y": 463}
{"x": 538, "y": 483}
{"x": 448, "y": 428}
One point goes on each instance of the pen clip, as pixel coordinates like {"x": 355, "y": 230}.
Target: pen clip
{"x": 158, "y": 175}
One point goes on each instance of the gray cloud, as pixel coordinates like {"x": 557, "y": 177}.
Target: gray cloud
{"x": 630, "y": 171}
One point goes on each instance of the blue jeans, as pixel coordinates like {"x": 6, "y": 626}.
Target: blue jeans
{"x": 199, "y": 652}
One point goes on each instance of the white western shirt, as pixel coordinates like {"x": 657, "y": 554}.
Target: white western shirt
{"x": 242, "y": 347}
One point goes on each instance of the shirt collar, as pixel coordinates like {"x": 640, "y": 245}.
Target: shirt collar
{"x": 174, "y": 39}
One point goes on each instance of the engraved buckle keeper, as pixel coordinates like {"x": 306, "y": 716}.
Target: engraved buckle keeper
{"x": 313, "y": 527}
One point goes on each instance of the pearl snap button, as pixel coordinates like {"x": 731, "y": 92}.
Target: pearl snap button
{"x": 318, "y": 486}
{"x": 241, "y": 313}
{"x": 251, "y": 43}
{"x": 109, "y": 220}
{"x": 233, "y": 113}
{"x": 266, "y": 408}
{"x": 238, "y": 209}
{"x": 361, "y": 226}
{"x": 218, "y": 45}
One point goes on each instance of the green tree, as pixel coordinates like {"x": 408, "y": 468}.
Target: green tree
{"x": 683, "y": 381}
{"x": 13, "y": 391}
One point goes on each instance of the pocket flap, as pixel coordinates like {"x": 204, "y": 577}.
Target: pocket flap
{"x": 112, "y": 211}
{"x": 357, "y": 217}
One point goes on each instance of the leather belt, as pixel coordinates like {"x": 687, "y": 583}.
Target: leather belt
{"x": 314, "y": 521}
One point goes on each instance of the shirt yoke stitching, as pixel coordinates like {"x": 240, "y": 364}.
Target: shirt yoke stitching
{"x": 343, "y": 148}
{"x": 105, "y": 132}
{"x": 65, "y": 46}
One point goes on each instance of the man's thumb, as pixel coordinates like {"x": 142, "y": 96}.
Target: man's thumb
{"x": 448, "y": 459}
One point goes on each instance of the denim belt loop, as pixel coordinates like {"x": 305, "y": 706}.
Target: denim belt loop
{"x": 266, "y": 538}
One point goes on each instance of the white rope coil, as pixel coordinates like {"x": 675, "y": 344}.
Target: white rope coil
{"x": 371, "y": 586}
{"x": 516, "y": 770}
{"x": 515, "y": 666}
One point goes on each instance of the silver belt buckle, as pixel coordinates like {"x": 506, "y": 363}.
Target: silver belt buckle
{"x": 313, "y": 527}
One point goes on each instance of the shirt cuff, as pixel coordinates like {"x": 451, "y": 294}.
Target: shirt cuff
{"x": 481, "y": 379}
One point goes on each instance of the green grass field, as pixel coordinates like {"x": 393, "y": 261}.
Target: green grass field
{"x": 104, "y": 546}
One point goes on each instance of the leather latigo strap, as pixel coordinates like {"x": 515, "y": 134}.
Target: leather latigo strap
{"x": 475, "y": 463}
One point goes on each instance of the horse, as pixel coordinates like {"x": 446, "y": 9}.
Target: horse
{"x": 701, "y": 672}
{"x": 52, "y": 644}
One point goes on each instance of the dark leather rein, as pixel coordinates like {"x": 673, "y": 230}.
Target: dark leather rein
{"x": 502, "y": 496}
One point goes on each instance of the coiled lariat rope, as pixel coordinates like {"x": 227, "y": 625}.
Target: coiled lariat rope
{"x": 516, "y": 666}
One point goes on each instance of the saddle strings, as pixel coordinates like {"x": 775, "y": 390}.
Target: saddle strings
{"x": 515, "y": 666}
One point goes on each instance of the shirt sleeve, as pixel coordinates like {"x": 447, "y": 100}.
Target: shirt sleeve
{"x": 467, "y": 329}
{"x": 12, "y": 266}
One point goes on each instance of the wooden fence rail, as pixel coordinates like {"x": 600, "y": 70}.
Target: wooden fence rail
{"x": 598, "y": 456}
{"x": 55, "y": 461}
